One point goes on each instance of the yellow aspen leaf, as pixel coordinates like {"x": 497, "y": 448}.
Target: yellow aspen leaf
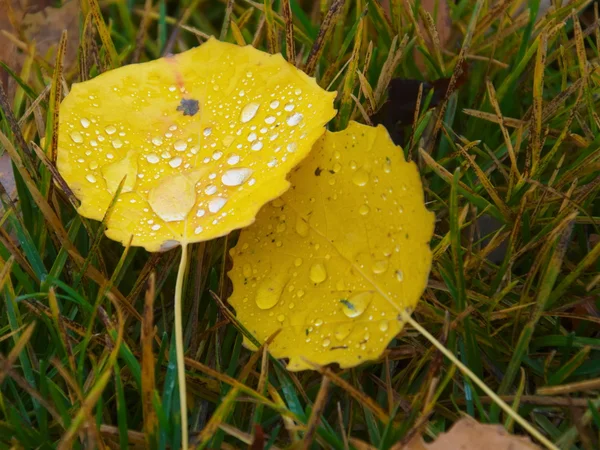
{"x": 335, "y": 259}
{"x": 204, "y": 139}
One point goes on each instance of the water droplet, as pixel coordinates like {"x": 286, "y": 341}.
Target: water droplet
{"x": 270, "y": 120}
{"x": 291, "y": 305}
{"x": 200, "y": 213}
{"x": 302, "y": 227}
{"x": 289, "y": 107}
{"x": 173, "y": 127}
{"x": 198, "y": 230}
{"x": 248, "y": 112}
{"x": 228, "y": 140}
{"x": 110, "y": 129}
{"x": 356, "y": 304}
{"x": 294, "y": 119}
{"x": 152, "y": 158}
{"x": 291, "y": 147}
{"x": 252, "y": 137}
{"x": 256, "y": 145}
{"x": 91, "y": 178}
{"x": 173, "y": 198}
{"x": 93, "y": 143}
{"x": 270, "y": 289}
{"x": 216, "y": 204}
{"x": 180, "y": 145}
{"x": 274, "y": 104}
{"x": 84, "y": 122}
{"x": 399, "y": 275}
{"x": 342, "y": 331}
{"x": 210, "y": 189}
{"x": 233, "y": 159}
{"x": 360, "y": 177}
{"x": 337, "y": 167}
{"x": 298, "y": 262}
{"x": 364, "y": 210}
{"x": 156, "y": 227}
{"x": 387, "y": 165}
{"x": 76, "y": 137}
{"x": 117, "y": 143}
{"x": 115, "y": 172}
{"x": 272, "y": 163}
{"x": 380, "y": 266}
{"x": 235, "y": 177}
{"x": 318, "y": 322}
{"x": 157, "y": 141}
{"x": 318, "y": 273}
{"x": 165, "y": 155}
{"x": 247, "y": 270}
{"x": 326, "y": 343}
{"x": 280, "y": 318}
{"x": 281, "y": 227}
{"x": 217, "y": 155}
{"x": 93, "y": 165}
{"x": 383, "y": 325}
{"x": 207, "y": 131}
{"x": 175, "y": 162}
{"x": 300, "y": 293}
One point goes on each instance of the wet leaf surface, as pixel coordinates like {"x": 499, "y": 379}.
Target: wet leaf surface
{"x": 203, "y": 139}
{"x": 334, "y": 260}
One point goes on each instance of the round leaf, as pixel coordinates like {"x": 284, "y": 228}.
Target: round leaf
{"x": 333, "y": 261}
{"x": 204, "y": 139}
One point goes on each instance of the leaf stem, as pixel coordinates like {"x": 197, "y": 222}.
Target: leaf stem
{"x": 179, "y": 347}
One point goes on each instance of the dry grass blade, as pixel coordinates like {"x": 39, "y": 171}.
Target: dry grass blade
{"x": 315, "y": 415}
{"x": 333, "y": 15}
{"x": 20, "y": 344}
{"x": 290, "y": 45}
{"x": 148, "y": 370}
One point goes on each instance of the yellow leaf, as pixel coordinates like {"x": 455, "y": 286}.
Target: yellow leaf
{"x": 334, "y": 260}
{"x": 204, "y": 139}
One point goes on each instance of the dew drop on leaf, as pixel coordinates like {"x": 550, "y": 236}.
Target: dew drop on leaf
{"x": 317, "y": 273}
{"x": 356, "y": 304}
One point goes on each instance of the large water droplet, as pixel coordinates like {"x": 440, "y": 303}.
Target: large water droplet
{"x": 115, "y": 172}
{"x": 380, "y": 266}
{"x": 360, "y": 177}
{"x": 356, "y": 304}
{"x": 216, "y": 204}
{"x": 364, "y": 210}
{"x": 256, "y": 145}
{"x": 84, "y": 122}
{"x": 294, "y": 119}
{"x": 76, "y": 137}
{"x": 233, "y": 159}
{"x": 399, "y": 275}
{"x": 337, "y": 167}
{"x": 173, "y": 198}
{"x": 157, "y": 141}
{"x": 280, "y": 318}
{"x": 274, "y": 104}
{"x": 270, "y": 289}
{"x": 342, "y": 331}
{"x": 207, "y": 132}
{"x": 317, "y": 273}
{"x": 298, "y": 262}
{"x": 110, "y": 129}
{"x": 326, "y": 342}
{"x": 302, "y": 227}
{"x": 91, "y": 178}
{"x": 117, "y": 143}
{"x": 175, "y": 162}
{"x": 152, "y": 158}
{"x": 383, "y": 325}
{"x": 211, "y": 189}
{"x": 248, "y": 112}
{"x": 270, "y": 120}
{"x": 180, "y": 145}
{"x": 235, "y": 177}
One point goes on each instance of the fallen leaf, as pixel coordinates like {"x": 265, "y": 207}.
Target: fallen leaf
{"x": 204, "y": 139}
{"x": 333, "y": 261}
{"x": 469, "y": 434}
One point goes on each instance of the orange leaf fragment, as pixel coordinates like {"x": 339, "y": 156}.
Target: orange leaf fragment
{"x": 337, "y": 257}
{"x": 204, "y": 139}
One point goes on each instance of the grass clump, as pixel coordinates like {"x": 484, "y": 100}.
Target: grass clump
{"x": 509, "y": 158}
